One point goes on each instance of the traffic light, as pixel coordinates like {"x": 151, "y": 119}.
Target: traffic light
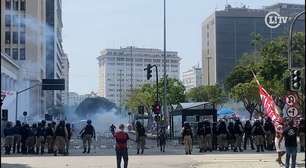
{"x": 156, "y": 108}
{"x": 296, "y": 79}
{"x": 149, "y": 71}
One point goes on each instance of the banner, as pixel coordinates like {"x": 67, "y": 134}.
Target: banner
{"x": 271, "y": 108}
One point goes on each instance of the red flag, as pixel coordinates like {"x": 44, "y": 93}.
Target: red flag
{"x": 270, "y": 108}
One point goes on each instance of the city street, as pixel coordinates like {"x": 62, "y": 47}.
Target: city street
{"x": 211, "y": 160}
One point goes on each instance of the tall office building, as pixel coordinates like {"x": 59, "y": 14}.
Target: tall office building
{"x": 65, "y": 93}
{"x": 227, "y": 35}
{"x": 192, "y": 78}
{"x": 122, "y": 70}
{"x": 23, "y": 41}
{"x": 54, "y": 49}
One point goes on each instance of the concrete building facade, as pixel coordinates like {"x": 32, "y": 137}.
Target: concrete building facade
{"x": 22, "y": 39}
{"x": 192, "y": 78}
{"x": 227, "y": 35}
{"x": 31, "y": 37}
{"x": 122, "y": 70}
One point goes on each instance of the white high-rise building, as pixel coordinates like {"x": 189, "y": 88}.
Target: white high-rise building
{"x": 122, "y": 70}
{"x": 192, "y": 78}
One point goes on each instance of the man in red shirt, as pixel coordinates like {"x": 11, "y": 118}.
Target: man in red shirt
{"x": 121, "y": 146}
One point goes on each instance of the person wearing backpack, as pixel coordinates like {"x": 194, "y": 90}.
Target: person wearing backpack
{"x": 87, "y": 133}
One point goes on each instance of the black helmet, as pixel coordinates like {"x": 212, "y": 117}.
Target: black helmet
{"x": 62, "y": 122}
{"x": 88, "y": 121}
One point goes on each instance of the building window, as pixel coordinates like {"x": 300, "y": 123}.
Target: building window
{"x": 8, "y": 4}
{"x": 8, "y": 20}
{"x": 22, "y": 37}
{"x": 15, "y": 37}
{"x": 22, "y": 5}
{"x": 7, "y": 37}
{"x": 15, "y": 5}
{"x": 22, "y": 21}
{"x": 8, "y": 51}
{"x": 15, "y": 53}
{"x": 22, "y": 53}
{"x": 15, "y": 20}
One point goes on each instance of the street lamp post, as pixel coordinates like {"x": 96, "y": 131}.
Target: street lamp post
{"x": 165, "y": 73}
{"x": 290, "y": 38}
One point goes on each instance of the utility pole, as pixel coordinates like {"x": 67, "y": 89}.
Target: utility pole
{"x": 165, "y": 69}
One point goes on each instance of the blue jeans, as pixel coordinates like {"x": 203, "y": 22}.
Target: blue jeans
{"x": 123, "y": 153}
{"x": 291, "y": 152}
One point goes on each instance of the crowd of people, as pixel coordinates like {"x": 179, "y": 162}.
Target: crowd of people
{"x": 33, "y": 139}
{"x": 233, "y": 135}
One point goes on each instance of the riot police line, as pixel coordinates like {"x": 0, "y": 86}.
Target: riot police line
{"x": 42, "y": 137}
{"x": 233, "y": 135}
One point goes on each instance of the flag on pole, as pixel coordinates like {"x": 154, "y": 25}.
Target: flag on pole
{"x": 270, "y": 107}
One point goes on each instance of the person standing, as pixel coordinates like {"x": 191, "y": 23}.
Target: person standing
{"x": 49, "y": 138}
{"x": 162, "y": 139}
{"x": 61, "y": 136}
{"x": 201, "y": 136}
{"x": 121, "y": 138}
{"x": 207, "y": 136}
{"x": 8, "y": 137}
{"x": 259, "y": 135}
{"x": 112, "y": 129}
{"x": 214, "y": 136}
{"x": 140, "y": 137}
{"x": 280, "y": 147}
{"x": 302, "y": 135}
{"x": 87, "y": 133}
{"x": 238, "y": 130}
{"x": 69, "y": 131}
{"x": 290, "y": 135}
{"x": 222, "y": 135}
{"x": 40, "y": 138}
{"x": 248, "y": 135}
{"x": 231, "y": 136}
{"x": 17, "y": 137}
{"x": 31, "y": 139}
{"x": 269, "y": 132}
{"x": 187, "y": 138}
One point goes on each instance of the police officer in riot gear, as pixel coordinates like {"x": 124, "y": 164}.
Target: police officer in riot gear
{"x": 87, "y": 133}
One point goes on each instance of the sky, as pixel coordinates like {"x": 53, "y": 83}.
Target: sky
{"x": 93, "y": 25}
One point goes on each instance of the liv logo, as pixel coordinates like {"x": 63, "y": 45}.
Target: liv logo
{"x": 273, "y": 20}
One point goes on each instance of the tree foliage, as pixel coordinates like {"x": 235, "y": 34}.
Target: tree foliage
{"x": 212, "y": 93}
{"x": 270, "y": 64}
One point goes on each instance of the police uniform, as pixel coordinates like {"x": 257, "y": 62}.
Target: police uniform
{"x": 238, "y": 135}
{"x": 17, "y": 137}
{"x": 87, "y": 133}
{"x": 259, "y": 133}
{"x": 187, "y": 138}
{"x": 302, "y": 135}
{"x": 40, "y": 139}
{"x": 231, "y": 136}
{"x": 248, "y": 135}
{"x": 140, "y": 137}
{"x": 201, "y": 136}
{"x": 49, "y": 138}
{"x": 222, "y": 135}
{"x": 8, "y": 138}
{"x": 207, "y": 137}
{"x": 61, "y": 136}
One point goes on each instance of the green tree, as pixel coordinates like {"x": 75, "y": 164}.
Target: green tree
{"x": 212, "y": 93}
